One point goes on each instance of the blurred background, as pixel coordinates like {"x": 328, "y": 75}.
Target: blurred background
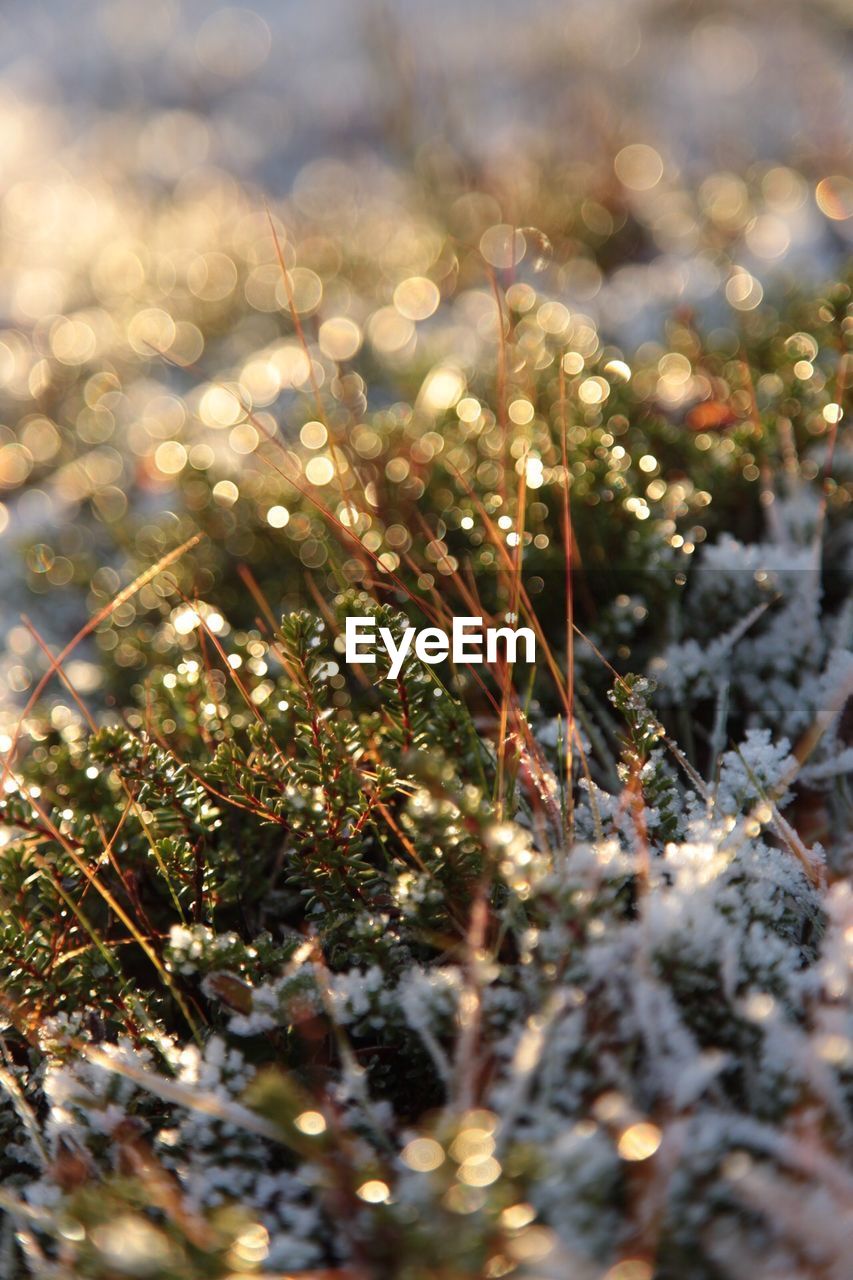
{"x": 636, "y": 157}
{"x": 269, "y": 86}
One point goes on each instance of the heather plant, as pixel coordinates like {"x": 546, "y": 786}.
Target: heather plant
{"x": 309, "y": 971}
{"x": 473, "y": 971}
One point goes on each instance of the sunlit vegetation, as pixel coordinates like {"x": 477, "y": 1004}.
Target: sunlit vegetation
{"x": 484, "y": 970}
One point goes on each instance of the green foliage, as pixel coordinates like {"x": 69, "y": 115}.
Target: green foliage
{"x": 466, "y": 973}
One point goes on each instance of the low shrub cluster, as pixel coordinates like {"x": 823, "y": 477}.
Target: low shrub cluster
{"x": 480, "y": 972}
